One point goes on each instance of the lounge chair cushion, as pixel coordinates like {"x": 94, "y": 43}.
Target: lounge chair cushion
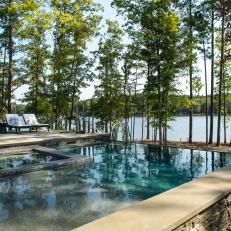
{"x": 13, "y": 120}
{"x": 30, "y": 119}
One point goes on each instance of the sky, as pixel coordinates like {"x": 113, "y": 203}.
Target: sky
{"x": 110, "y": 13}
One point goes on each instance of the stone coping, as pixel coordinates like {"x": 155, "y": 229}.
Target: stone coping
{"x": 170, "y": 209}
{"x": 16, "y": 150}
{"x": 21, "y": 140}
{"x": 51, "y": 151}
{"x": 65, "y": 160}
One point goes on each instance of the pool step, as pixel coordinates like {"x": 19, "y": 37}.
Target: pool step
{"x": 50, "y": 151}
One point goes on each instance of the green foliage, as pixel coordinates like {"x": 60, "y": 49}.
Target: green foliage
{"x": 74, "y": 24}
{"x": 154, "y": 25}
{"x": 109, "y": 91}
{"x": 54, "y": 78}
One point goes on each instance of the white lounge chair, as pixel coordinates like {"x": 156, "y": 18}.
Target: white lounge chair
{"x": 14, "y": 121}
{"x": 31, "y": 120}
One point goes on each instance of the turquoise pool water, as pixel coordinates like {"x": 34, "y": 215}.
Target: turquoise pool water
{"x": 20, "y": 160}
{"x": 118, "y": 177}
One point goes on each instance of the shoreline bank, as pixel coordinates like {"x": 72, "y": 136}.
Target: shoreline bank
{"x": 195, "y": 145}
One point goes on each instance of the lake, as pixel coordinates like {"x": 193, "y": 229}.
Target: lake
{"x": 180, "y": 128}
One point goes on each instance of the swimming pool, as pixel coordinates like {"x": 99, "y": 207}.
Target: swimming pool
{"x": 118, "y": 177}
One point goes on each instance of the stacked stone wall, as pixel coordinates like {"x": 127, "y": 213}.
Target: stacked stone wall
{"x": 215, "y": 218}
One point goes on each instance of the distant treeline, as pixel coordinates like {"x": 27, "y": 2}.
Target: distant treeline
{"x": 181, "y": 106}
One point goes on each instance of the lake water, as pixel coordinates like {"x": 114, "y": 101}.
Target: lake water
{"x": 180, "y": 128}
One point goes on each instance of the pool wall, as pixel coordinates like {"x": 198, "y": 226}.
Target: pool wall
{"x": 202, "y": 204}
{"x": 215, "y": 217}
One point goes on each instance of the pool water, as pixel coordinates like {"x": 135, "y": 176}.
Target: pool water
{"x": 19, "y": 160}
{"x": 118, "y": 177}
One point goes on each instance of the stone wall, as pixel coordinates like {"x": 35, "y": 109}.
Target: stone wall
{"x": 215, "y": 218}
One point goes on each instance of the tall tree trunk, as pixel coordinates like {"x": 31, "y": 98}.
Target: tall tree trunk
{"x": 126, "y": 126}
{"x": 166, "y": 133}
{"x": 206, "y": 94}
{"x": 224, "y": 102}
{"x": 53, "y": 102}
{"x": 134, "y": 112}
{"x": 160, "y": 101}
{"x": 92, "y": 117}
{"x": 131, "y": 127}
{"x": 148, "y": 122}
{"x": 190, "y": 74}
{"x": 159, "y": 111}
{"x": 221, "y": 74}
{"x": 155, "y": 130}
{"x": 72, "y": 91}
{"x": 89, "y": 125}
{"x": 10, "y": 67}
{"x": 36, "y": 83}
{"x": 110, "y": 122}
{"x": 77, "y": 118}
{"x": 66, "y": 115}
{"x": 142, "y": 128}
{"x": 72, "y": 103}
{"x": 57, "y": 114}
{"x": 148, "y": 105}
{"x": 212, "y": 76}
{"x": 3, "y": 102}
{"x": 93, "y": 124}
{"x": 84, "y": 118}
{"x": 106, "y": 127}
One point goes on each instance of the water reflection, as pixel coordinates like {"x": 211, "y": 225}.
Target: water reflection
{"x": 119, "y": 176}
{"x": 20, "y": 160}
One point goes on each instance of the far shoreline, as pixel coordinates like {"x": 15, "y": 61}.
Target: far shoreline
{"x": 226, "y": 148}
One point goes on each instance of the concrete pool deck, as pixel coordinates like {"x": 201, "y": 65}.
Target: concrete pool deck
{"x": 12, "y": 140}
{"x": 169, "y": 210}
